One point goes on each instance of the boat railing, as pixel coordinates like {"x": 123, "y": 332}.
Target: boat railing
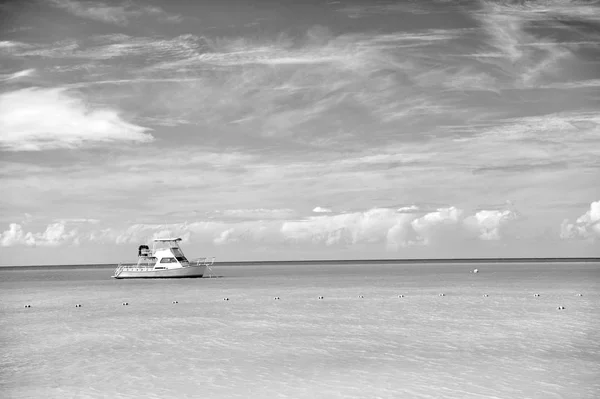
{"x": 133, "y": 266}
{"x": 118, "y": 270}
{"x": 203, "y": 261}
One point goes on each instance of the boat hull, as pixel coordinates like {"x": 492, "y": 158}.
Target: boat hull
{"x": 181, "y": 272}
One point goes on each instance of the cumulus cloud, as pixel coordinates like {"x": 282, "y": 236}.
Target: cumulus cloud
{"x": 320, "y": 209}
{"x": 432, "y": 224}
{"x": 587, "y": 226}
{"x": 488, "y": 224}
{"x": 15, "y": 236}
{"x": 394, "y": 229}
{"x": 38, "y": 119}
{"x": 346, "y": 229}
{"x": 254, "y": 232}
{"x": 55, "y": 234}
{"x": 218, "y": 232}
{"x": 388, "y": 228}
{"x": 146, "y": 232}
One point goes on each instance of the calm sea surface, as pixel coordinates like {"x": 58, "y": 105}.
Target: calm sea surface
{"x": 509, "y": 344}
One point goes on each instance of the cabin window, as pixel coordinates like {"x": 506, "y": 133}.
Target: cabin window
{"x": 168, "y": 260}
{"x": 181, "y": 259}
{"x": 176, "y": 252}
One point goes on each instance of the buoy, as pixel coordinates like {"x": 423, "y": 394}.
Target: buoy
{"x": 400, "y": 296}
{"x": 320, "y": 297}
{"x": 27, "y": 306}
{"x": 125, "y": 303}
{"x": 579, "y": 294}
{"x": 485, "y": 295}
{"x": 225, "y": 299}
{"x": 361, "y": 296}
{"x": 77, "y": 305}
{"x": 175, "y": 302}
{"x": 475, "y": 271}
{"x": 276, "y": 298}
{"x": 442, "y": 294}
{"x": 536, "y": 295}
{"x": 560, "y": 308}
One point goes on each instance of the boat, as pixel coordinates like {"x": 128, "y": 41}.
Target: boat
{"x": 164, "y": 260}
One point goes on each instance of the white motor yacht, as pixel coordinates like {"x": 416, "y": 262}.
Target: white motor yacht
{"x": 164, "y": 260}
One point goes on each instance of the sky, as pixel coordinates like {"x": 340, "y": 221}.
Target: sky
{"x": 279, "y": 130}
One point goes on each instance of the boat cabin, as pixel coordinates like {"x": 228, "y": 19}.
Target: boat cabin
{"x": 165, "y": 254}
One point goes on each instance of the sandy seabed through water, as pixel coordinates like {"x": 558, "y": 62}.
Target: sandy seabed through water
{"x": 380, "y": 331}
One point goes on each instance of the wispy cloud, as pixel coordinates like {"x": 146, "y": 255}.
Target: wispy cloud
{"x": 77, "y": 220}
{"x": 252, "y": 214}
{"x": 521, "y": 50}
{"x": 359, "y": 11}
{"x": 545, "y": 143}
{"x": 16, "y": 75}
{"x": 113, "y": 14}
{"x": 36, "y": 119}
{"x": 581, "y": 84}
{"x": 8, "y": 45}
{"x": 516, "y": 56}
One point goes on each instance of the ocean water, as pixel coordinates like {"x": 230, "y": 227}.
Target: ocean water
{"x": 509, "y": 344}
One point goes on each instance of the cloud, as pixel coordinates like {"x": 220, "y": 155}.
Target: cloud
{"x": 259, "y": 232}
{"x": 512, "y": 49}
{"x": 543, "y": 166}
{"x": 253, "y": 214}
{"x": 408, "y": 209}
{"x": 146, "y": 232}
{"x": 546, "y": 144}
{"x": 432, "y": 224}
{"x": 581, "y": 84}
{"x": 56, "y": 234}
{"x": 380, "y": 225}
{"x": 15, "y": 236}
{"x": 9, "y": 45}
{"x": 488, "y": 224}
{"x": 587, "y": 226}
{"x": 16, "y": 75}
{"x": 385, "y": 228}
{"x": 561, "y": 127}
{"x": 118, "y": 15}
{"x": 359, "y": 11}
{"x": 317, "y": 87}
{"x": 78, "y": 220}
{"x": 319, "y": 209}
{"x": 344, "y": 229}
{"x": 39, "y": 119}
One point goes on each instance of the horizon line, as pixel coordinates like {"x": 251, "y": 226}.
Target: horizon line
{"x": 342, "y": 261}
